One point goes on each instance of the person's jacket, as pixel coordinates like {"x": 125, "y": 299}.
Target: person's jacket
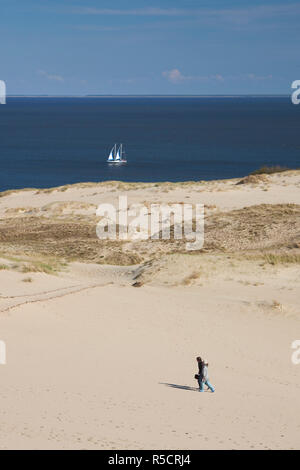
{"x": 203, "y": 372}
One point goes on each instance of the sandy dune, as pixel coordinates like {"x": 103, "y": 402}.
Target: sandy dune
{"x": 93, "y": 362}
{"x": 278, "y": 188}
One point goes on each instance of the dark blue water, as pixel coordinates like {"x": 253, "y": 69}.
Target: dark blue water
{"x": 53, "y": 141}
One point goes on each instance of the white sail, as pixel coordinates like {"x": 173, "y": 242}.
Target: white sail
{"x": 112, "y": 154}
{"x": 118, "y": 156}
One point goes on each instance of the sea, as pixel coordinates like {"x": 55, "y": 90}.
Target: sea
{"x": 52, "y": 141}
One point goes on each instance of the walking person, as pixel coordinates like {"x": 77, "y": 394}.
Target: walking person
{"x": 202, "y": 377}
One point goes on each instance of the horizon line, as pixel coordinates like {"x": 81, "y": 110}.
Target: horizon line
{"x": 90, "y": 95}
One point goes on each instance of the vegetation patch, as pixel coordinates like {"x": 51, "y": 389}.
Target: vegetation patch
{"x": 268, "y": 170}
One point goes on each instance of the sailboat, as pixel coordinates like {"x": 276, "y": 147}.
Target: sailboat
{"x": 117, "y": 156}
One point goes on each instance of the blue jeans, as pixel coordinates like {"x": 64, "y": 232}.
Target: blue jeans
{"x": 207, "y": 383}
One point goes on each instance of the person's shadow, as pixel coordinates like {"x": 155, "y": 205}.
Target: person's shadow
{"x": 181, "y": 387}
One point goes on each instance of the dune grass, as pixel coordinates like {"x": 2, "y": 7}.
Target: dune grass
{"x": 268, "y": 170}
{"x": 281, "y": 258}
{"x": 32, "y": 263}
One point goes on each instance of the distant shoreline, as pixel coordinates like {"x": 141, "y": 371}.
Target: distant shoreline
{"x": 149, "y": 96}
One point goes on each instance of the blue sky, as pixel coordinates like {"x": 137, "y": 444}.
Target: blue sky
{"x": 149, "y": 47}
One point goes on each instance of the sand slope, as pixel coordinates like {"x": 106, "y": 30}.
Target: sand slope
{"x": 112, "y": 367}
{"x": 93, "y": 362}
